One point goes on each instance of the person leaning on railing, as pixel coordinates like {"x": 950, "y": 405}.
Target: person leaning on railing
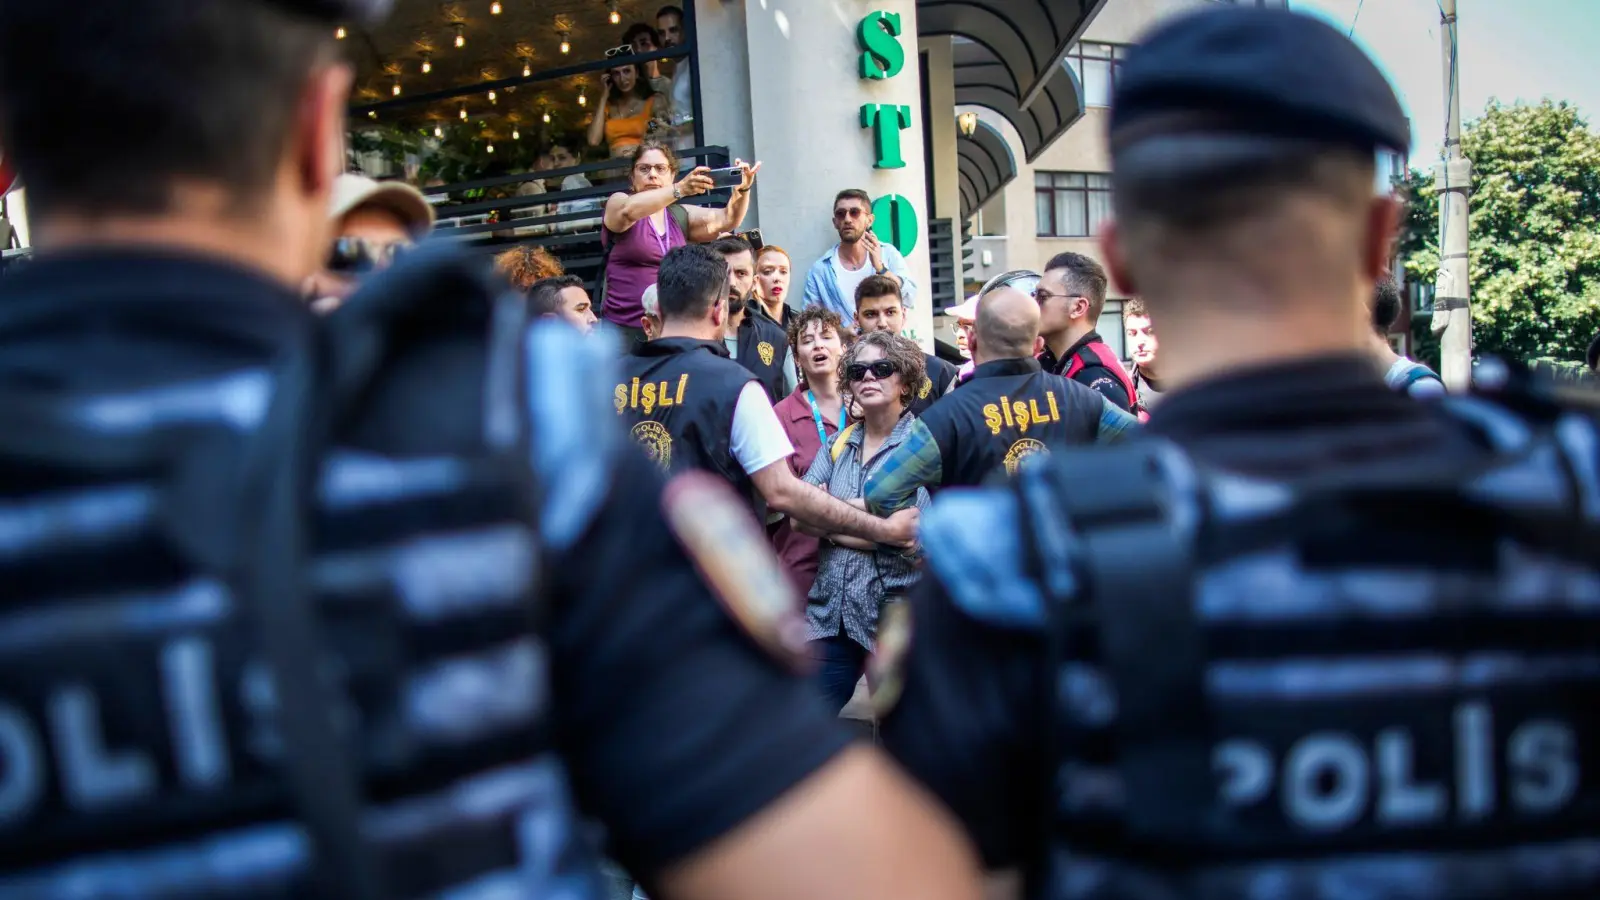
{"x": 644, "y": 222}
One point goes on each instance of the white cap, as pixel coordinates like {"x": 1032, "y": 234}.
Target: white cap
{"x": 967, "y": 310}
{"x": 652, "y": 306}
{"x": 351, "y": 192}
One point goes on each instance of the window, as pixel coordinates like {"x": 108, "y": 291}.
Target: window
{"x": 1421, "y": 296}
{"x": 1110, "y": 329}
{"x": 1096, "y": 66}
{"x": 1071, "y": 204}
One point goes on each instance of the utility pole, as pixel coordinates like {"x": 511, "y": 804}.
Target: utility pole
{"x": 1452, "y": 309}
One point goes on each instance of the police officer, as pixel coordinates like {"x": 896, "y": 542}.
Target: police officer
{"x": 1071, "y": 296}
{"x": 1235, "y": 657}
{"x": 1005, "y": 412}
{"x": 754, "y": 339}
{"x": 693, "y": 408}
{"x": 316, "y": 607}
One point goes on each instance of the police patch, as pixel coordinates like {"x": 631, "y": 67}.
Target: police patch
{"x": 1020, "y": 451}
{"x": 886, "y": 668}
{"x": 927, "y": 388}
{"x": 656, "y": 441}
{"x": 732, "y": 553}
{"x": 766, "y": 351}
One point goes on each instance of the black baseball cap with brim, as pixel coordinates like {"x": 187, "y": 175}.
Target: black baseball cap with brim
{"x": 1228, "y": 88}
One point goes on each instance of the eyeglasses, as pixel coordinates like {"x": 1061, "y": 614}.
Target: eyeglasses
{"x": 880, "y": 370}
{"x": 352, "y": 255}
{"x": 1041, "y": 296}
{"x": 854, "y": 212}
{"x": 620, "y": 50}
{"x": 652, "y": 168}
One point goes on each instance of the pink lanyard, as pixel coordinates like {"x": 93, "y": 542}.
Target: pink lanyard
{"x": 661, "y": 236}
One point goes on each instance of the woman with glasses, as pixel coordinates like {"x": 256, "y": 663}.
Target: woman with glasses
{"x": 856, "y": 579}
{"x": 644, "y": 223}
{"x": 629, "y": 108}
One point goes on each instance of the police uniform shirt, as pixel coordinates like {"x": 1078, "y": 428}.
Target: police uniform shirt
{"x": 934, "y": 384}
{"x": 1007, "y": 411}
{"x": 675, "y": 729}
{"x": 1094, "y": 374}
{"x": 968, "y": 723}
{"x": 762, "y": 347}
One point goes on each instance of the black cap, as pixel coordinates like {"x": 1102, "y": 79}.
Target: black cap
{"x": 1228, "y": 81}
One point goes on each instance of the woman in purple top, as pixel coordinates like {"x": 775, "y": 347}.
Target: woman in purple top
{"x": 640, "y": 228}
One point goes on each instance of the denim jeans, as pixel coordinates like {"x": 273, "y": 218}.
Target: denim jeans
{"x": 841, "y": 663}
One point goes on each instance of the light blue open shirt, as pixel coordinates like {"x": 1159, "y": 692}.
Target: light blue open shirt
{"x": 822, "y": 288}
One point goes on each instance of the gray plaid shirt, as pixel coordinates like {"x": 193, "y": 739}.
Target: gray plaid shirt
{"x": 851, "y": 584}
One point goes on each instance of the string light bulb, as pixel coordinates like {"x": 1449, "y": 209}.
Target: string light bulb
{"x": 461, "y": 35}
{"x": 582, "y": 100}
{"x": 516, "y": 134}
{"x": 547, "y": 117}
{"x": 527, "y": 69}
{"x": 616, "y": 14}
{"x": 427, "y": 63}
{"x": 491, "y": 148}
{"x": 340, "y": 34}
{"x": 438, "y": 131}
{"x": 566, "y": 39}
{"x": 396, "y": 89}
{"x": 495, "y": 9}
{"x": 372, "y": 114}
{"x": 463, "y": 112}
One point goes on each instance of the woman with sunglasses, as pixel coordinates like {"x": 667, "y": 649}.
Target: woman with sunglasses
{"x": 855, "y": 579}
{"x": 628, "y": 106}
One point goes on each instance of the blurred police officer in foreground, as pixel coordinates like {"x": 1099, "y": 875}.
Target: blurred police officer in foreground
{"x": 287, "y": 611}
{"x": 1305, "y": 638}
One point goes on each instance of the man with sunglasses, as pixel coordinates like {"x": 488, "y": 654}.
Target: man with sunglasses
{"x": 833, "y": 279}
{"x": 373, "y": 222}
{"x": 365, "y": 605}
{"x": 1071, "y": 296}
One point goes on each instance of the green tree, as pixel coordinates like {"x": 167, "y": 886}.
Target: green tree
{"x": 1535, "y": 250}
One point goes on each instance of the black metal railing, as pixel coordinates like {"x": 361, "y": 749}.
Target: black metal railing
{"x": 565, "y": 222}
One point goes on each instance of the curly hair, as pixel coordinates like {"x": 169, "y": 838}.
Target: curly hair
{"x": 1134, "y": 306}
{"x": 903, "y": 352}
{"x": 525, "y": 265}
{"x": 824, "y": 317}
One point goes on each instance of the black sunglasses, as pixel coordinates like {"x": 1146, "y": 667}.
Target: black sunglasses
{"x": 880, "y": 370}
{"x": 357, "y": 255}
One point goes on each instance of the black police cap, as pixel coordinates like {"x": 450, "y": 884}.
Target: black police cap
{"x": 362, "y": 11}
{"x": 1243, "y": 75}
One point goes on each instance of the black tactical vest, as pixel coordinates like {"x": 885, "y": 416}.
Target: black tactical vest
{"x": 1249, "y": 703}
{"x": 934, "y": 384}
{"x": 272, "y": 619}
{"x": 677, "y": 398}
{"x": 763, "y": 348}
{"x": 1007, "y": 411}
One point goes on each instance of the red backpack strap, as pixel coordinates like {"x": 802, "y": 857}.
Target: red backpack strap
{"x": 1098, "y": 353}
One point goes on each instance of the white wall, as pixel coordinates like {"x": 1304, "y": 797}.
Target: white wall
{"x": 780, "y": 81}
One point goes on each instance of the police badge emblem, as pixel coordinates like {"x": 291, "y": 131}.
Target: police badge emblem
{"x": 766, "y": 351}
{"x": 926, "y": 389}
{"x": 732, "y": 552}
{"x": 886, "y": 667}
{"x": 1020, "y": 451}
{"x": 657, "y": 443}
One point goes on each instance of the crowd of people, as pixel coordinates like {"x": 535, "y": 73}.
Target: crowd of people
{"x": 339, "y": 565}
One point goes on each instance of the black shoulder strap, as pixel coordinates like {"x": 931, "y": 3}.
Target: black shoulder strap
{"x": 1137, "y": 567}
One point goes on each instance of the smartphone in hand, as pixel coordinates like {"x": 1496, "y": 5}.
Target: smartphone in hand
{"x": 732, "y": 176}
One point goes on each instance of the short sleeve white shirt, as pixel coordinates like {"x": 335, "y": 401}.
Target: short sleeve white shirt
{"x": 758, "y": 438}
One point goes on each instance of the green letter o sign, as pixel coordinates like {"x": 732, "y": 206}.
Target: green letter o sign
{"x": 895, "y": 222}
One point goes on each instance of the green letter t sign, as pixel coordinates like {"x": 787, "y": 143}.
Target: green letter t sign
{"x": 888, "y": 121}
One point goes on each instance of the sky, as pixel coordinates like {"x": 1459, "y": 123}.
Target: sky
{"x": 1507, "y": 49}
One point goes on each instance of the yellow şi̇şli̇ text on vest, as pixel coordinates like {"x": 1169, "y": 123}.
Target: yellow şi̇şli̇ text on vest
{"x": 646, "y": 396}
{"x": 1019, "y": 414}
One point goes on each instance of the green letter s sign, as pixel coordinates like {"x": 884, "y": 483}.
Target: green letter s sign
{"x": 882, "y": 56}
